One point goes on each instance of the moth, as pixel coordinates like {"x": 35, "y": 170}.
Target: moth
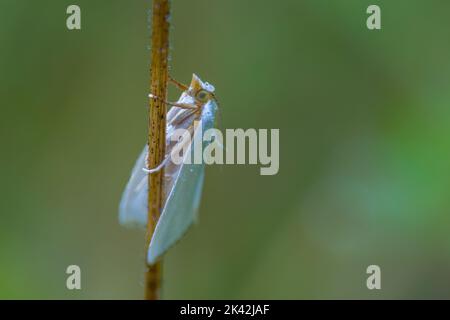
{"x": 183, "y": 182}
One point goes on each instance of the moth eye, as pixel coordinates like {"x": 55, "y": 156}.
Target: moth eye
{"x": 202, "y": 95}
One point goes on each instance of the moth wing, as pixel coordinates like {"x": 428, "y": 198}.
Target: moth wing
{"x": 183, "y": 200}
{"x": 133, "y": 208}
{"x": 134, "y": 202}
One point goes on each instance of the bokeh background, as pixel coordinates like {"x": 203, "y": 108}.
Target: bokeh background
{"x": 364, "y": 123}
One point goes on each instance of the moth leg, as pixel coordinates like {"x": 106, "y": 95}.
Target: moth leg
{"x": 180, "y": 86}
{"x": 157, "y": 168}
{"x": 176, "y": 104}
{"x": 182, "y": 117}
{"x": 183, "y": 105}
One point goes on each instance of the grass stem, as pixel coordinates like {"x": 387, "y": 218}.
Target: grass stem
{"x": 157, "y": 133}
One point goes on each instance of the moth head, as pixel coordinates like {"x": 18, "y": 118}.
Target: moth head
{"x": 201, "y": 91}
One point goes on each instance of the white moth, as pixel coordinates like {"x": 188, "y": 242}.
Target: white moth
{"x": 182, "y": 182}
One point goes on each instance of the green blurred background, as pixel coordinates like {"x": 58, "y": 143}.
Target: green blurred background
{"x": 364, "y": 123}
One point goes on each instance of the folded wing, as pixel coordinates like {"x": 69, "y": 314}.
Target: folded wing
{"x": 182, "y": 202}
{"x": 133, "y": 205}
{"x": 183, "y": 186}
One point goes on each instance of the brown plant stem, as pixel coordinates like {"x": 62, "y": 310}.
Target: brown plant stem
{"x": 157, "y": 134}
